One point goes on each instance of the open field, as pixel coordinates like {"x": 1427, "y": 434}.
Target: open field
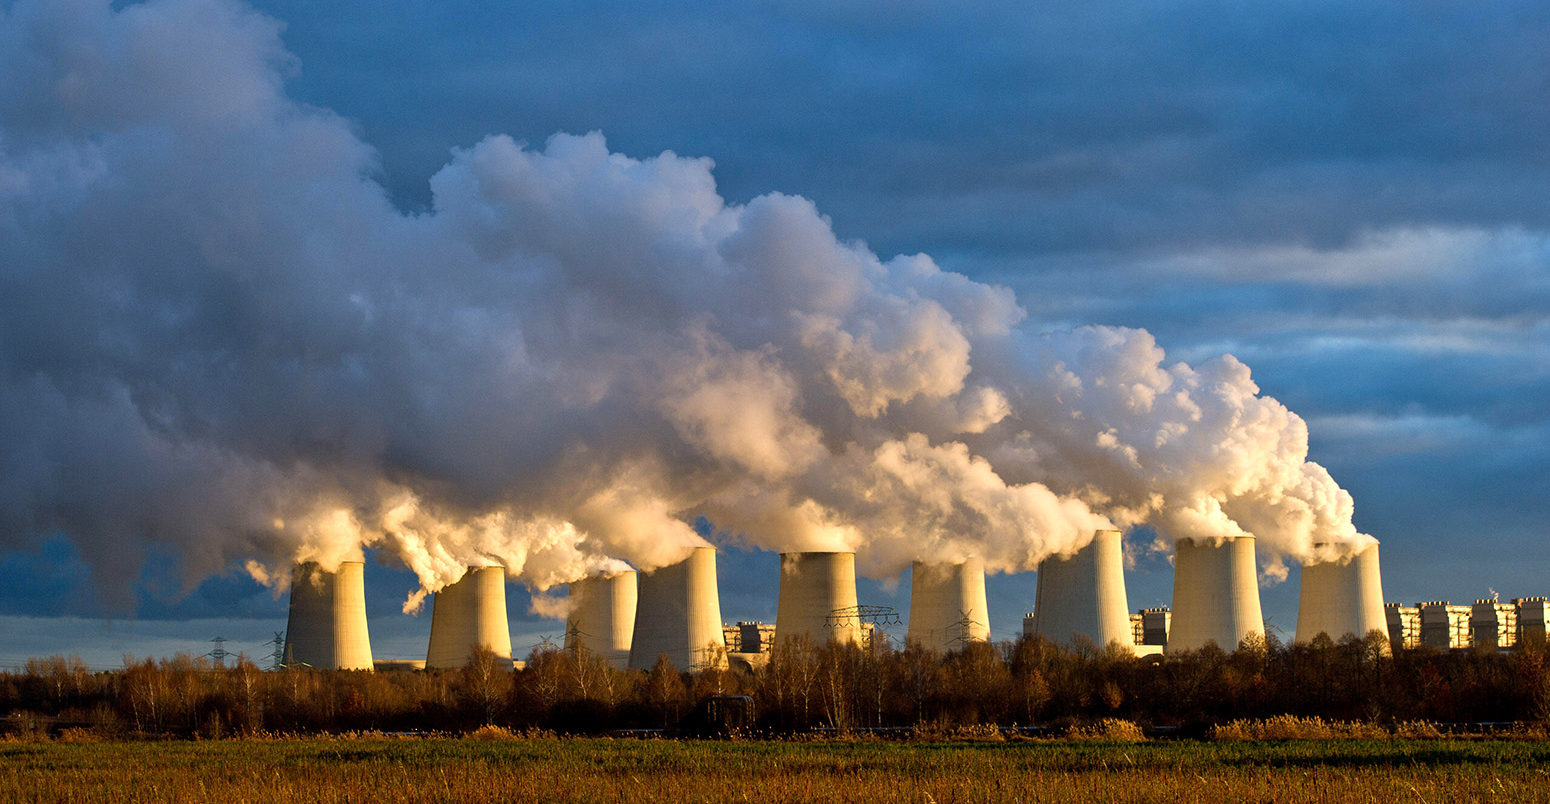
{"x": 381, "y": 769}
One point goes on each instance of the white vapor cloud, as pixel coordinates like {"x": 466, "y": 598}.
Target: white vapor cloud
{"x": 216, "y": 333}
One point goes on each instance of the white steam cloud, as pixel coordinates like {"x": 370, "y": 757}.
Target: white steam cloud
{"x": 217, "y": 335}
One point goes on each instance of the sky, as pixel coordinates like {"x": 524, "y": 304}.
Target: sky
{"x": 1347, "y": 198}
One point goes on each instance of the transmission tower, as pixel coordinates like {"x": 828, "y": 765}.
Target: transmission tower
{"x": 220, "y": 652}
{"x": 879, "y": 617}
{"x": 277, "y": 656}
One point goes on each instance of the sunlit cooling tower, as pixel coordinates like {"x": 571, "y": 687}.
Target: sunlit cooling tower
{"x": 947, "y": 605}
{"x": 469, "y": 613}
{"x": 1083, "y": 595}
{"x": 602, "y": 617}
{"x": 1341, "y": 597}
{"x": 817, "y": 598}
{"x": 678, "y": 613}
{"x": 327, "y": 624}
{"x": 1215, "y": 595}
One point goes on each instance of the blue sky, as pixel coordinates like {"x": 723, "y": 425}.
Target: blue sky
{"x": 1348, "y": 198}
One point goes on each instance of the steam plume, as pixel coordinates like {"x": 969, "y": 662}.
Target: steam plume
{"x": 218, "y": 335}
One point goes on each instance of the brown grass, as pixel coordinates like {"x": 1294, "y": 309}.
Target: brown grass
{"x": 510, "y": 767}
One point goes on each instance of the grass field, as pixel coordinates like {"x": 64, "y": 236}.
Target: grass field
{"x": 329, "y": 770}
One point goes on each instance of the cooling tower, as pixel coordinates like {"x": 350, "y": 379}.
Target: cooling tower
{"x": 327, "y": 625}
{"x": 1340, "y": 598}
{"x": 1084, "y": 595}
{"x": 602, "y": 617}
{"x": 468, "y": 613}
{"x": 947, "y": 605}
{"x": 1215, "y": 595}
{"x": 818, "y": 597}
{"x": 678, "y": 613}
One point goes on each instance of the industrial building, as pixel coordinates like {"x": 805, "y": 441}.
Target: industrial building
{"x": 947, "y": 605}
{"x": 1404, "y": 623}
{"x": 749, "y": 637}
{"x": 1082, "y": 596}
{"x": 1533, "y": 620}
{"x": 1443, "y": 625}
{"x": 601, "y": 620}
{"x": 469, "y": 614}
{"x": 1488, "y": 624}
{"x": 678, "y": 614}
{"x": 1155, "y": 626}
{"x": 1493, "y": 624}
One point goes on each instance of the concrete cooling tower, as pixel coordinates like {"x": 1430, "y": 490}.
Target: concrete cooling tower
{"x": 818, "y": 598}
{"x": 327, "y": 625}
{"x": 468, "y": 613}
{"x": 1215, "y": 595}
{"x": 1083, "y": 595}
{"x": 947, "y": 605}
{"x": 1339, "y": 598}
{"x": 602, "y": 617}
{"x": 678, "y": 613}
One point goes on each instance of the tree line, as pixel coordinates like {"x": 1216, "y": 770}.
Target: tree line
{"x": 1030, "y": 682}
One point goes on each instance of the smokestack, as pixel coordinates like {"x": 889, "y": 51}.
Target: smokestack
{"x": 468, "y": 613}
{"x": 1341, "y": 597}
{"x": 818, "y": 597}
{"x": 602, "y": 617}
{"x": 1215, "y": 595}
{"x": 1084, "y": 595}
{"x": 947, "y": 605}
{"x": 678, "y": 613}
{"x": 327, "y": 625}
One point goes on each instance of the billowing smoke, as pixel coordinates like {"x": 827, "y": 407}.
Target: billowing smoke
{"x": 218, "y": 336}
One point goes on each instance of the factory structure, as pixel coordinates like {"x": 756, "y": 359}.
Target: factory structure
{"x": 631, "y": 620}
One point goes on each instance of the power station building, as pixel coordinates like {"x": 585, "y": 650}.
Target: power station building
{"x": 1443, "y": 625}
{"x": 1404, "y": 623}
{"x": 1493, "y": 624}
{"x": 1488, "y": 624}
{"x": 1533, "y": 620}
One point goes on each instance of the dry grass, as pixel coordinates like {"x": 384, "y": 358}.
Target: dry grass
{"x": 1108, "y": 729}
{"x": 516, "y": 768}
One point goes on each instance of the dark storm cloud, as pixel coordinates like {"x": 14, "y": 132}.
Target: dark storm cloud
{"x": 993, "y": 127}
